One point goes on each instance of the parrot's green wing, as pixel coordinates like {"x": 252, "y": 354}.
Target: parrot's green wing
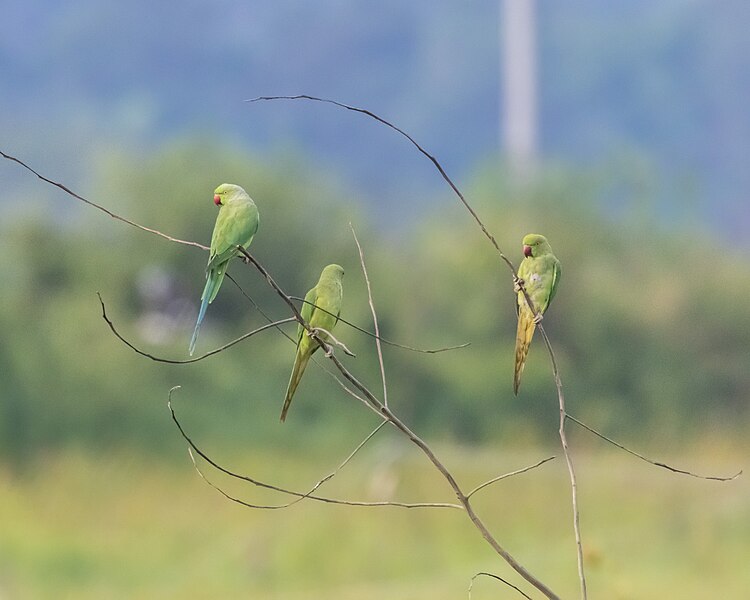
{"x": 306, "y": 311}
{"x": 557, "y": 271}
{"x": 235, "y": 226}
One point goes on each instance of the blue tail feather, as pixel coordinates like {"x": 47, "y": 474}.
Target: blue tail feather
{"x": 205, "y": 301}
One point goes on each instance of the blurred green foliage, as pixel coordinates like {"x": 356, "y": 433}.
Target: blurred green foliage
{"x": 651, "y": 322}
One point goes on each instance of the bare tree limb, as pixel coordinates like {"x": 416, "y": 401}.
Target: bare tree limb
{"x": 276, "y": 488}
{"x": 316, "y": 331}
{"x": 382, "y": 339}
{"x": 400, "y": 131}
{"x": 100, "y": 207}
{"x": 190, "y": 360}
{"x": 569, "y": 463}
{"x": 374, "y": 316}
{"x": 508, "y": 583}
{"x": 648, "y": 460}
{"x": 506, "y": 475}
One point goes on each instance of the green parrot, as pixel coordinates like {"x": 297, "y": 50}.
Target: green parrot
{"x": 539, "y": 273}
{"x": 327, "y": 295}
{"x": 235, "y": 226}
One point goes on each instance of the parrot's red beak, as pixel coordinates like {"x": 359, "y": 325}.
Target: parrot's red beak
{"x": 217, "y": 200}
{"x": 527, "y": 251}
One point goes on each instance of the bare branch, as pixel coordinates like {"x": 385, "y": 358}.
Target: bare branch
{"x": 511, "y": 474}
{"x": 328, "y": 477}
{"x": 400, "y": 131}
{"x": 648, "y": 460}
{"x": 569, "y": 462}
{"x": 508, "y": 583}
{"x": 382, "y": 339}
{"x": 374, "y": 316}
{"x": 100, "y": 207}
{"x": 335, "y": 472}
{"x": 190, "y": 360}
{"x": 315, "y": 334}
{"x": 268, "y": 486}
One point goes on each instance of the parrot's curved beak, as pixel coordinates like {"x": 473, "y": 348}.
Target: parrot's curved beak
{"x": 527, "y": 251}
{"x": 217, "y": 200}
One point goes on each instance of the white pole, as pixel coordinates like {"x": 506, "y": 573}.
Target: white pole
{"x": 519, "y": 86}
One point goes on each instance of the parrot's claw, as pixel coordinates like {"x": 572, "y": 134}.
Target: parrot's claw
{"x": 518, "y": 284}
{"x": 329, "y": 352}
{"x": 245, "y": 260}
{"x": 538, "y": 319}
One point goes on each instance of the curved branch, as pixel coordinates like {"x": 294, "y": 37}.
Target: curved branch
{"x": 276, "y": 488}
{"x": 414, "y": 142}
{"x": 100, "y": 207}
{"x": 189, "y": 360}
{"x": 508, "y": 583}
{"x": 380, "y": 338}
{"x": 568, "y": 462}
{"x": 506, "y": 475}
{"x": 648, "y": 460}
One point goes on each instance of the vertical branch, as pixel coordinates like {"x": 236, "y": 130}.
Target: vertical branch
{"x": 374, "y": 317}
{"x": 569, "y": 462}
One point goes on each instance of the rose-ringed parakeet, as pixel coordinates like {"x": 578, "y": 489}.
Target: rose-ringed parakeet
{"x": 235, "y": 226}
{"x": 539, "y": 273}
{"x": 326, "y": 295}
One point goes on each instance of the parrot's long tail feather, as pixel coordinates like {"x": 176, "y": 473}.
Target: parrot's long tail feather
{"x": 213, "y": 283}
{"x": 300, "y": 362}
{"x": 524, "y": 334}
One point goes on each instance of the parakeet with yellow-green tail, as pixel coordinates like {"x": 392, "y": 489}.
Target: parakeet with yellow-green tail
{"x": 235, "y": 226}
{"x": 539, "y": 273}
{"x": 321, "y": 309}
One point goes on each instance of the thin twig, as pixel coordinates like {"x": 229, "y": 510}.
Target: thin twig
{"x": 313, "y": 489}
{"x": 648, "y": 460}
{"x": 100, "y": 207}
{"x": 374, "y": 316}
{"x": 508, "y": 583}
{"x": 190, "y": 360}
{"x": 382, "y": 339}
{"x": 569, "y": 462}
{"x": 335, "y": 472}
{"x": 316, "y": 331}
{"x": 506, "y": 475}
{"x": 400, "y": 131}
{"x": 276, "y": 488}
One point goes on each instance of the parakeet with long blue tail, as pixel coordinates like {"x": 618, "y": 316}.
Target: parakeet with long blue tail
{"x": 235, "y": 226}
{"x": 321, "y": 309}
{"x": 539, "y": 273}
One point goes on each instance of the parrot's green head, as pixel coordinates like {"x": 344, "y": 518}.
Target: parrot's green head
{"x": 333, "y": 271}
{"x": 535, "y": 245}
{"x": 227, "y": 192}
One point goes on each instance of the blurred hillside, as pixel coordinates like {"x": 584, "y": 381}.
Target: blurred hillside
{"x": 651, "y": 325}
{"x": 666, "y": 81}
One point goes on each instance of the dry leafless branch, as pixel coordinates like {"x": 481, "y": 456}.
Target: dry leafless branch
{"x": 374, "y": 316}
{"x": 190, "y": 360}
{"x": 276, "y": 488}
{"x": 648, "y": 460}
{"x": 493, "y": 576}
